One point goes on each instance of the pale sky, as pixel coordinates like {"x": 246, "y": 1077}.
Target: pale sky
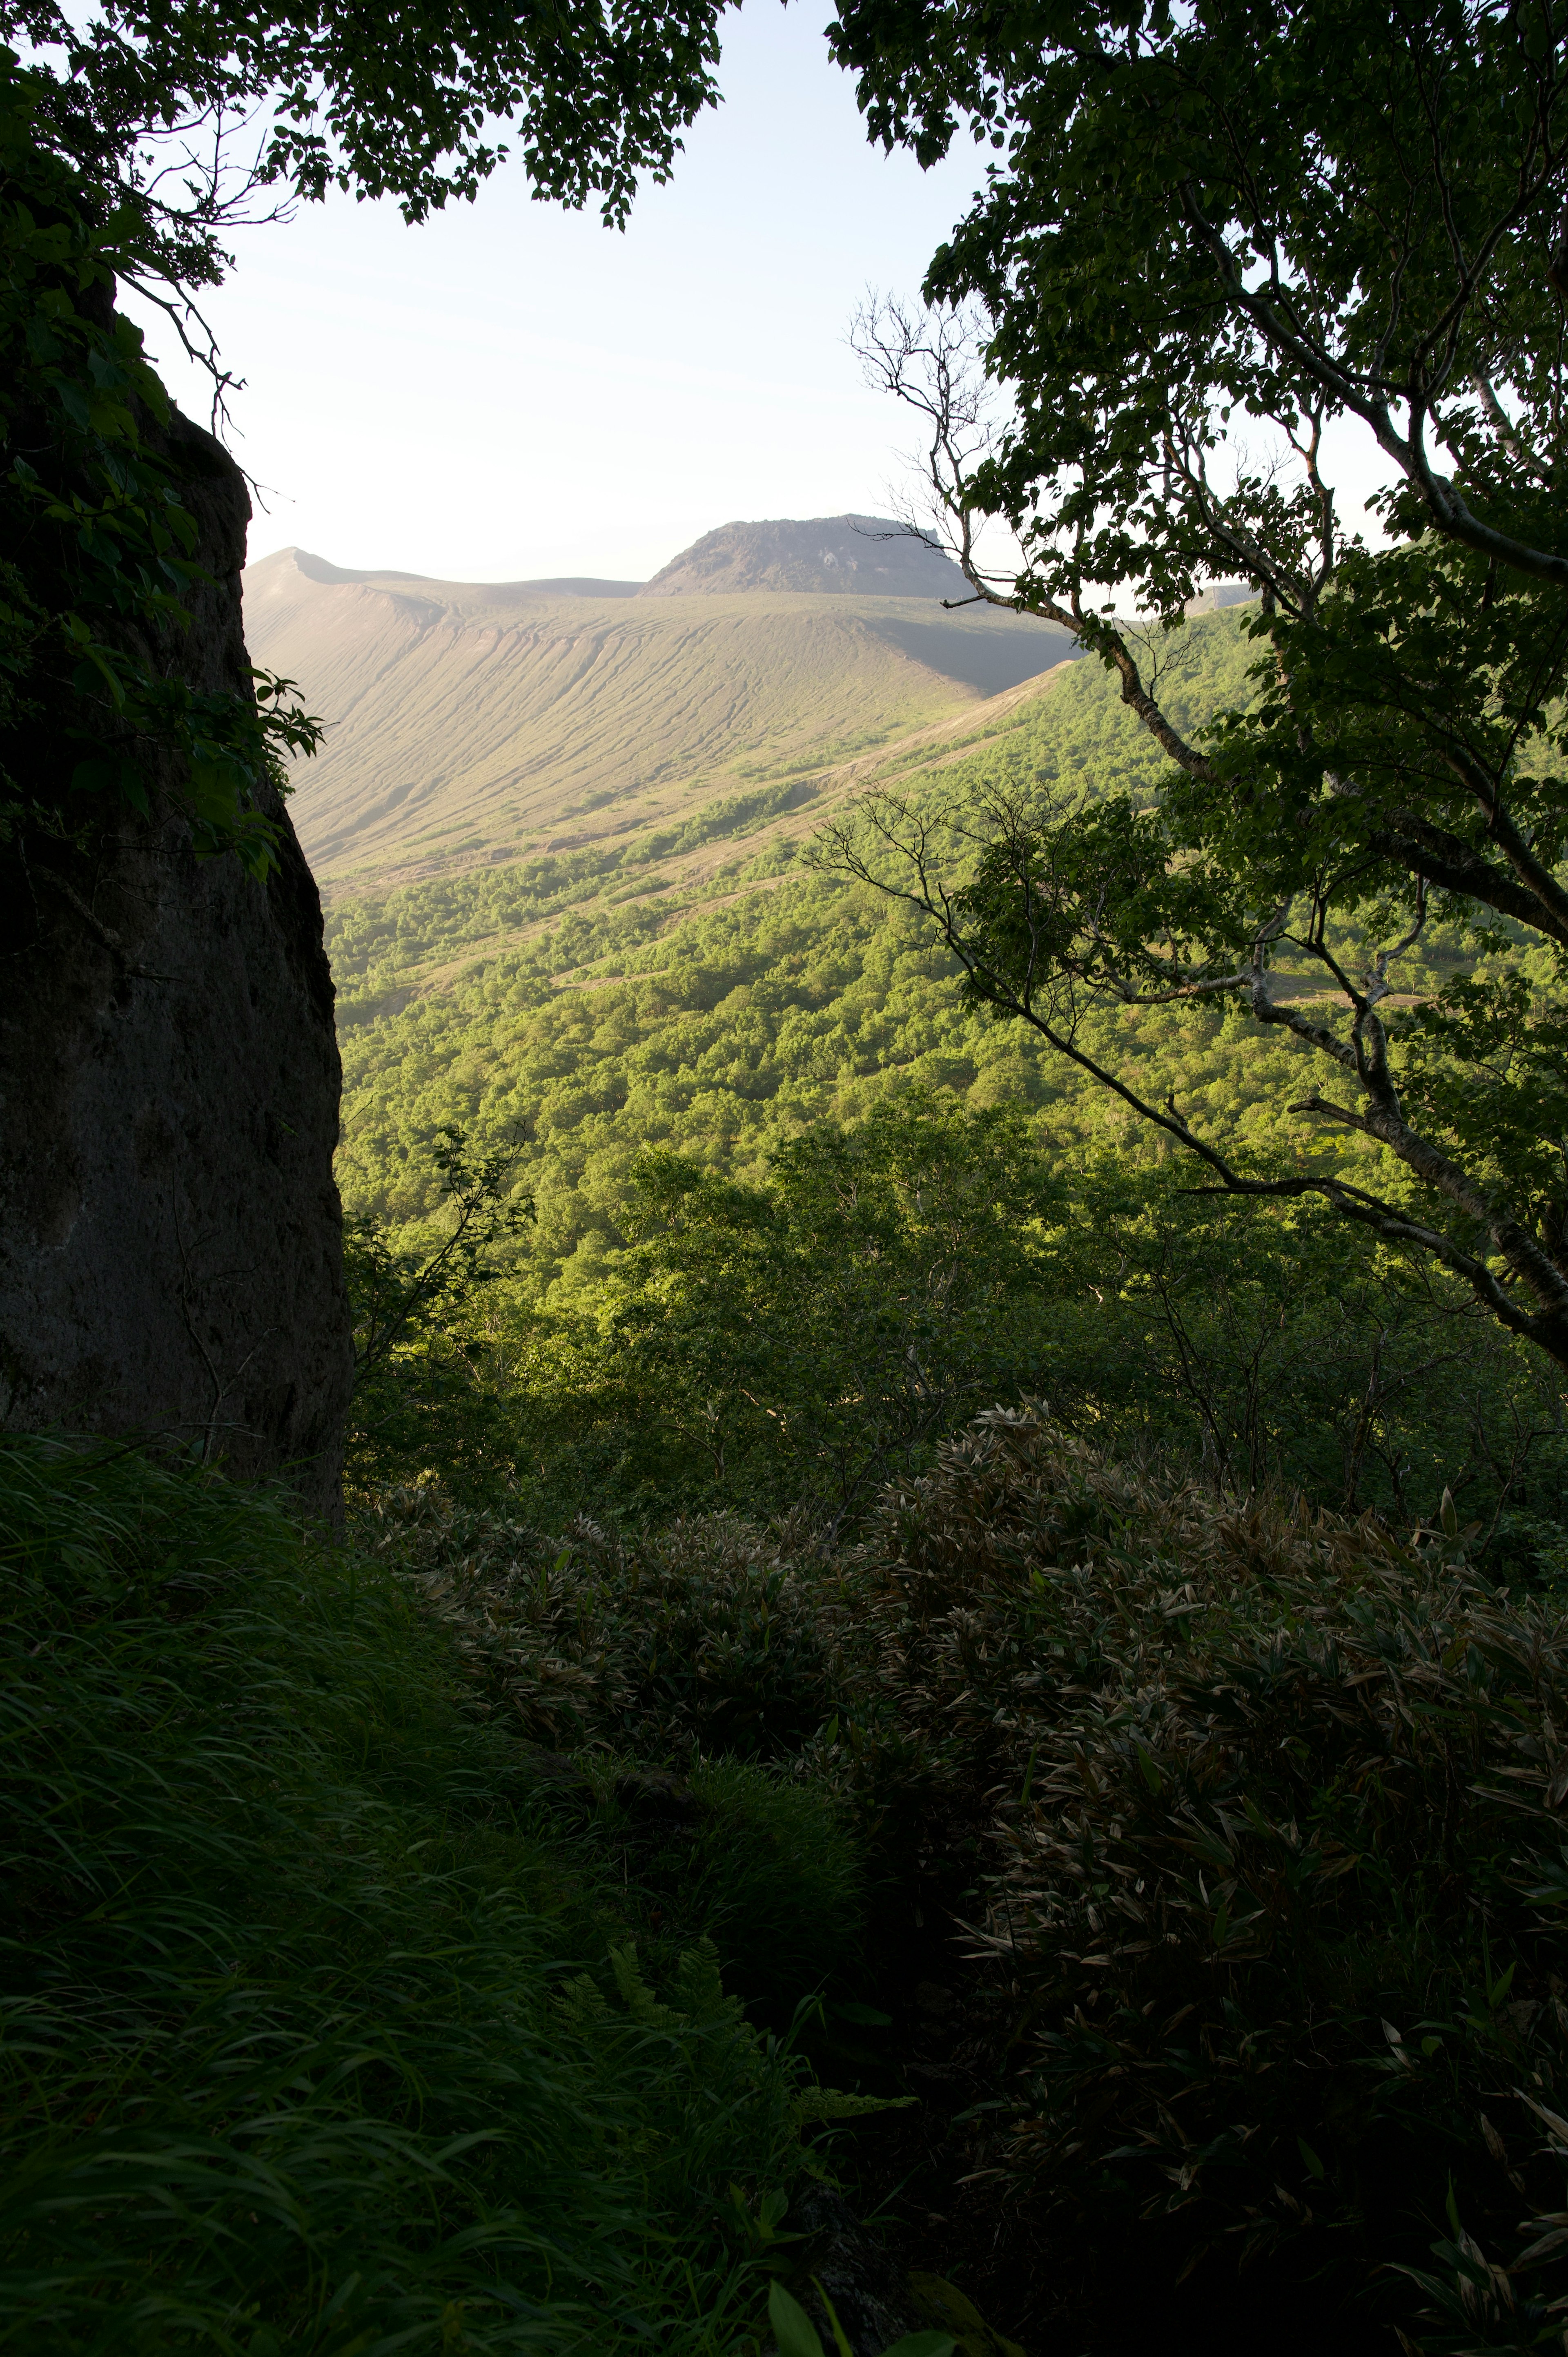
{"x": 512, "y": 391}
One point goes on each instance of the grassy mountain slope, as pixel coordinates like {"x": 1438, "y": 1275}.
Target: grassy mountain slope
{"x": 719, "y": 997}
{"x": 468, "y": 725}
{"x": 1067, "y": 725}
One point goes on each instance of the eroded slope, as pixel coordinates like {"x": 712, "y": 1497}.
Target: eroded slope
{"x": 467, "y": 724}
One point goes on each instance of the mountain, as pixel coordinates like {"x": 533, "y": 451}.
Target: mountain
{"x": 845, "y": 555}
{"x": 700, "y": 986}
{"x": 472, "y": 723}
{"x": 569, "y": 585}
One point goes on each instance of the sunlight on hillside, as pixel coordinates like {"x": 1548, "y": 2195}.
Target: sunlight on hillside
{"x": 470, "y": 723}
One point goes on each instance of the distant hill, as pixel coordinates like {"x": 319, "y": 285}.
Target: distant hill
{"x": 472, "y": 723}
{"x": 696, "y": 986}
{"x": 832, "y": 555}
{"x": 316, "y": 568}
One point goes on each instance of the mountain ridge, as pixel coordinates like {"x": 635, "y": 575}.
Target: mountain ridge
{"x": 847, "y": 555}
{"x": 320, "y": 569}
{"x": 818, "y": 556}
{"x": 477, "y": 722}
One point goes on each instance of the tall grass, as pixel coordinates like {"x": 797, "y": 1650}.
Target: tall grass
{"x": 288, "y": 2051}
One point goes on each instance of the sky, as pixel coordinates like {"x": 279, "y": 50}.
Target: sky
{"x": 511, "y": 392}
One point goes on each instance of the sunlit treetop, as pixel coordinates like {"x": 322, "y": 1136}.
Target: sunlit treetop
{"x": 1288, "y": 213}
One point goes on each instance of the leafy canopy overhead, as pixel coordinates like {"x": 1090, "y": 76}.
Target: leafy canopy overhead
{"x": 407, "y": 101}
{"x": 132, "y": 135}
{"x": 1220, "y": 249}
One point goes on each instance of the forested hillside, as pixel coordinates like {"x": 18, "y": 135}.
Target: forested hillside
{"x": 595, "y": 1001}
{"x": 719, "y": 1116}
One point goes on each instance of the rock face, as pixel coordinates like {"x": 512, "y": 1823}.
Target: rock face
{"x": 871, "y": 2294}
{"x": 170, "y": 1233}
{"x": 864, "y": 557}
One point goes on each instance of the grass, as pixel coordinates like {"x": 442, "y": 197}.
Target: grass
{"x": 293, "y": 2041}
{"x": 361, "y": 1975}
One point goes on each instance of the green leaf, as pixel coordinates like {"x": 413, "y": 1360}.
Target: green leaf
{"x": 922, "y": 2344}
{"x": 793, "y": 2328}
{"x": 1314, "y": 2166}
{"x": 841, "y": 2338}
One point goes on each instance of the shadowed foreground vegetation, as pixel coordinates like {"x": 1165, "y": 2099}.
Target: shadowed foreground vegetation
{"x": 298, "y": 2052}
{"x": 1248, "y": 1821}
{"x": 407, "y": 1944}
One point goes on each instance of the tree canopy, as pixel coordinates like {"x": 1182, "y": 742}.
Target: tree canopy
{"x": 132, "y": 136}
{"x": 195, "y": 107}
{"x": 1219, "y": 249}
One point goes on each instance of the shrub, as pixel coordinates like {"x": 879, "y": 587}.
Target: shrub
{"x": 1280, "y": 1857}
{"x": 704, "y": 1648}
{"x": 706, "y": 1633}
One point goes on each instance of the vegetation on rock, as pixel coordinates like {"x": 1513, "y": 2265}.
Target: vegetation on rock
{"x": 100, "y": 566}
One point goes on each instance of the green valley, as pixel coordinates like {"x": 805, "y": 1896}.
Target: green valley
{"x": 703, "y": 988}
{"x": 650, "y": 1035}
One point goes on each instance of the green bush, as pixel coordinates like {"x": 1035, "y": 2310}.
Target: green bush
{"x": 705, "y": 1634}
{"x": 1278, "y": 1800}
{"x": 282, "y": 2060}
{"x": 704, "y": 1648}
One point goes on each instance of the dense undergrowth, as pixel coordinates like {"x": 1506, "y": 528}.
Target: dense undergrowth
{"x": 403, "y": 1942}
{"x": 298, "y": 2048}
{"x": 1265, "y": 1811}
